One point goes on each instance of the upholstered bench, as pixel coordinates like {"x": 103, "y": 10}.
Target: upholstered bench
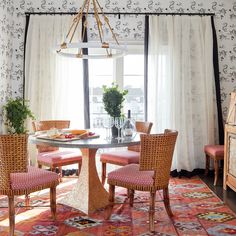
{"x": 216, "y": 152}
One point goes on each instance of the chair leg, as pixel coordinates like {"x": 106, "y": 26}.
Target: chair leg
{"x": 216, "y": 167}
{"x": 53, "y": 202}
{"x": 111, "y": 201}
{"x": 131, "y": 197}
{"x": 60, "y": 173}
{"x": 152, "y": 211}
{"x": 167, "y": 201}
{"x": 39, "y": 166}
{"x": 104, "y": 172}
{"x": 207, "y": 165}
{"x": 27, "y": 201}
{"x": 11, "y": 215}
{"x": 111, "y": 194}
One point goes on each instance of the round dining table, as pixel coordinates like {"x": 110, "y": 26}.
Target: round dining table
{"x": 88, "y": 194}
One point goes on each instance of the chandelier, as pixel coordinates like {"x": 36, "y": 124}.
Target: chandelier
{"x": 70, "y": 48}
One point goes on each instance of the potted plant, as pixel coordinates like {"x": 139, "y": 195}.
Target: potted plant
{"x": 113, "y": 99}
{"x": 16, "y": 111}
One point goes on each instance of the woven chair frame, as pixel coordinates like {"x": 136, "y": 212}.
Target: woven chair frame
{"x": 141, "y": 127}
{"x": 14, "y": 159}
{"x": 156, "y": 154}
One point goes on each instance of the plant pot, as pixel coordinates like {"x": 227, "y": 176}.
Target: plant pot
{"x": 114, "y": 132}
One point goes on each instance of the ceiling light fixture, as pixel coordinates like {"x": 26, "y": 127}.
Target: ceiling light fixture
{"x": 110, "y": 49}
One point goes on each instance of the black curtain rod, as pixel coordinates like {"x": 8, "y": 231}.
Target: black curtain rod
{"x": 122, "y": 13}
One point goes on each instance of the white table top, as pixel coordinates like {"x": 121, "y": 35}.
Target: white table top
{"x": 99, "y": 142}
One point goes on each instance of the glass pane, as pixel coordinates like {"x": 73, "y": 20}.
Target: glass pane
{"x": 100, "y": 73}
{"x": 134, "y": 82}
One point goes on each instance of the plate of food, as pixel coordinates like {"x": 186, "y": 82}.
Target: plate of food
{"x": 67, "y": 135}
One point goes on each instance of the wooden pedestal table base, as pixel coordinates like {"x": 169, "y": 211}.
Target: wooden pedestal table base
{"x": 88, "y": 194}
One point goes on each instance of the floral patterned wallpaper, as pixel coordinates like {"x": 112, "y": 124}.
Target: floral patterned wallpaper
{"x": 12, "y": 25}
{"x": 6, "y": 51}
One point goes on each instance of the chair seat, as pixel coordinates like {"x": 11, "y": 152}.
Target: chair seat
{"x": 121, "y": 157}
{"x": 130, "y": 175}
{"x": 34, "y": 178}
{"x": 60, "y": 157}
{"x": 214, "y": 150}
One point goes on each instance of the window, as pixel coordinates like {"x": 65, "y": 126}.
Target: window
{"x": 100, "y": 73}
{"x": 134, "y": 82}
{"x": 128, "y": 73}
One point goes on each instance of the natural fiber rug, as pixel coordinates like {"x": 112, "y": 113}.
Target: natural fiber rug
{"x": 197, "y": 211}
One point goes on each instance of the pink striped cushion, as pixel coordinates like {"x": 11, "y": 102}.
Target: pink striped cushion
{"x": 33, "y": 178}
{"x": 131, "y": 174}
{"x": 214, "y": 150}
{"x": 60, "y": 156}
{"x": 122, "y": 157}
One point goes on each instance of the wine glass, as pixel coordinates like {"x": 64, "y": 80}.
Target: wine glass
{"x": 119, "y": 122}
{"x": 108, "y": 122}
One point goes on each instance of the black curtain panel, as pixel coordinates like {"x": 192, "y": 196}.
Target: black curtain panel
{"x": 146, "y": 33}
{"x": 25, "y": 39}
{"x": 217, "y": 83}
{"x": 86, "y": 81}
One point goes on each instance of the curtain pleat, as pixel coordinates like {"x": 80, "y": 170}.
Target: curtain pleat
{"x": 181, "y": 87}
{"x": 53, "y": 84}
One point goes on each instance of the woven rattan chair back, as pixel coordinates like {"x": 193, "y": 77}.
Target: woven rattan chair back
{"x": 13, "y": 158}
{"x": 47, "y": 125}
{"x": 156, "y": 154}
{"x": 141, "y": 127}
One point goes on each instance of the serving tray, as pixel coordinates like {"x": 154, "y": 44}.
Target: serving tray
{"x": 77, "y": 137}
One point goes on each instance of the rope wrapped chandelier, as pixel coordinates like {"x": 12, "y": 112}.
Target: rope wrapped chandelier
{"x": 111, "y": 49}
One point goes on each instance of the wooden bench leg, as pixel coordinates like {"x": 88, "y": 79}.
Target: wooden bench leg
{"x": 216, "y": 167}
{"x": 207, "y": 165}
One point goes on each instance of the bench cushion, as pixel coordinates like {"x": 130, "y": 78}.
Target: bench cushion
{"x": 214, "y": 150}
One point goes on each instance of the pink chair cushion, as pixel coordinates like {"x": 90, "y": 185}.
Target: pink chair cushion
{"x": 131, "y": 174}
{"x": 122, "y": 157}
{"x": 33, "y": 178}
{"x": 60, "y": 156}
{"x": 214, "y": 150}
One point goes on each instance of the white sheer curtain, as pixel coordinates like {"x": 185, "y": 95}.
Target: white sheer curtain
{"x": 181, "y": 85}
{"x": 54, "y": 85}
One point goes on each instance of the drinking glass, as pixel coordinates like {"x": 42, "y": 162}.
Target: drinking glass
{"x": 108, "y": 122}
{"x": 119, "y": 122}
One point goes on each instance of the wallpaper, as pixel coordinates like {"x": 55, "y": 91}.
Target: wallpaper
{"x": 6, "y": 51}
{"x": 12, "y": 25}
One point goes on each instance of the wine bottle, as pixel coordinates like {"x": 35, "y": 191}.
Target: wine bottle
{"x": 129, "y": 126}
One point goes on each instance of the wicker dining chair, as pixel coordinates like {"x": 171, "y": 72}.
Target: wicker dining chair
{"x": 53, "y": 157}
{"x": 17, "y": 178}
{"x": 151, "y": 174}
{"x": 125, "y": 157}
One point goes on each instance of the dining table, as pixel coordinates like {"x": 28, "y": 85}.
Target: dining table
{"x": 88, "y": 194}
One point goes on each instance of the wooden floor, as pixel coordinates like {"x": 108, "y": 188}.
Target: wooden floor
{"x": 229, "y": 196}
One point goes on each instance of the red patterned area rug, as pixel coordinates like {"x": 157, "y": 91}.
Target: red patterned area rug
{"x": 197, "y": 211}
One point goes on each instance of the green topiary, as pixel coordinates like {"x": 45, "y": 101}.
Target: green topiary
{"x": 16, "y": 111}
{"x": 113, "y": 99}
